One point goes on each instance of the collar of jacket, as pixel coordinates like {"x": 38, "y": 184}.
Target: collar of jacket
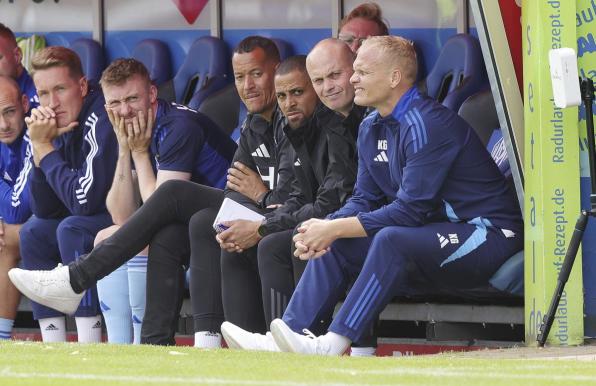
{"x": 260, "y": 125}
{"x": 402, "y": 106}
{"x": 306, "y": 132}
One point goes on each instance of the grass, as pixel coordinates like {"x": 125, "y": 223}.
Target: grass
{"x": 28, "y": 363}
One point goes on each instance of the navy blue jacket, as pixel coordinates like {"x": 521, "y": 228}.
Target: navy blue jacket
{"x": 15, "y": 165}
{"x": 74, "y": 179}
{"x": 187, "y": 141}
{"x": 423, "y": 164}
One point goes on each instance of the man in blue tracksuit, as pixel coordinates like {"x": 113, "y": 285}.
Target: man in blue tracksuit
{"x": 15, "y": 165}
{"x": 74, "y": 153}
{"x": 10, "y": 65}
{"x": 172, "y": 142}
{"x": 428, "y": 201}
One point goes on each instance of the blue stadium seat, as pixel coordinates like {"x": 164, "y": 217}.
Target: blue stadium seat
{"x": 155, "y": 55}
{"x": 458, "y": 72}
{"x": 480, "y": 112}
{"x": 92, "y": 57}
{"x": 203, "y": 72}
{"x": 285, "y": 49}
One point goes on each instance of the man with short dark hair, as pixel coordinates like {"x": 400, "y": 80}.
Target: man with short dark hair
{"x": 15, "y": 165}
{"x": 10, "y": 65}
{"x": 325, "y": 170}
{"x": 74, "y": 154}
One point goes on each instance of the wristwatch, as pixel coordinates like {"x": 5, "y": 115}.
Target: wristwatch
{"x": 262, "y": 230}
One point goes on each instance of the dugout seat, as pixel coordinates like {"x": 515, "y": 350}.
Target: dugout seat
{"x": 155, "y": 55}
{"x": 285, "y": 49}
{"x": 92, "y": 57}
{"x": 458, "y": 72}
{"x": 203, "y": 72}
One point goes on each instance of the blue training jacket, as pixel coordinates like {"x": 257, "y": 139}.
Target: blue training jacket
{"x": 28, "y": 88}
{"x": 15, "y": 165}
{"x": 423, "y": 164}
{"x": 187, "y": 141}
{"x": 74, "y": 179}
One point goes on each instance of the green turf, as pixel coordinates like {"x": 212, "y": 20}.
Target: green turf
{"x": 25, "y": 363}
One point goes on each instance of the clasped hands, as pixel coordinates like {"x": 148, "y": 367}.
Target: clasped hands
{"x": 313, "y": 239}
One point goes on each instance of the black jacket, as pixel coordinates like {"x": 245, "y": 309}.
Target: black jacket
{"x": 325, "y": 168}
{"x": 264, "y": 148}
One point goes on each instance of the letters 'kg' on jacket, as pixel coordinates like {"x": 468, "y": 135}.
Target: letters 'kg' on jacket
{"x": 423, "y": 163}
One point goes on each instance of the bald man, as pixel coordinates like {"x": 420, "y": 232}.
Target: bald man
{"x": 15, "y": 164}
{"x": 11, "y": 66}
{"x": 428, "y": 201}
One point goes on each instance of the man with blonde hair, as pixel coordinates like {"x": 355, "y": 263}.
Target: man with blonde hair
{"x": 74, "y": 154}
{"x": 429, "y": 202}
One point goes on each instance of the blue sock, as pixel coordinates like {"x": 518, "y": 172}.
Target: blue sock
{"x": 137, "y": 283}
{"x": 112, "y": 292}
{"x": 6, "y": 328}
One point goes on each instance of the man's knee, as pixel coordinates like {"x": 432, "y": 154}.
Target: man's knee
{"x": 202, "y": 222}
{"x": 10, "y": 250}
{"x": 104, "y": 234}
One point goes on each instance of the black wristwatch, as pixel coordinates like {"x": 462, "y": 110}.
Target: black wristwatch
{"x": 262, "y": 230}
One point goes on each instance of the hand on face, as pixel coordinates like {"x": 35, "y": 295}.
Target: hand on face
{"x": 42, "y": 125}
{"x": 140, "y": 129}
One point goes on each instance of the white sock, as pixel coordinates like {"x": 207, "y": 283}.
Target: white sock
{"x": 338, "y": 343}
{"x": 53, "y": 329}
{"x": 6, "y": 328}
{"x": 363, "y": 351}
{"x": 207, "y": 339}
{"x": 89, "y": 328}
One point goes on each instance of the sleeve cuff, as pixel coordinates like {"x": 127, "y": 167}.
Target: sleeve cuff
{"x": 50, "y": 160}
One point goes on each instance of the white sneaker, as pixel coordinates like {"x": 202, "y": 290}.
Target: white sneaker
{"x": 50, "y": 288}
{"x": 289, "y": 341}
{"x": 240, "y": 339}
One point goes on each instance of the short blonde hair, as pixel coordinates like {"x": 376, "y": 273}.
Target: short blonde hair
{"x": 399, "y": 50}
{"x": 57, "y": 56}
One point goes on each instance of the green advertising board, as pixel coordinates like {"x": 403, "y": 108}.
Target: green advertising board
{"x": 552, "y": 175}
{"x": 586, "y": 56}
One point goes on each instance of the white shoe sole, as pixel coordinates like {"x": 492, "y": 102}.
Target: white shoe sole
{"x": 281, "y": 332}
{"x": 232, "y": 343}
{"x": 59, "y": 304}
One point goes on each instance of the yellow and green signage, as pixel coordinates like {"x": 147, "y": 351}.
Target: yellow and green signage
{"x": 552, "y": 175}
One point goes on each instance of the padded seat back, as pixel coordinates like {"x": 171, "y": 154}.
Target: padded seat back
{"x": 203, "y": 72}
{"x": 155, "y": 55}
{"x": 92, "y": 57}
{"x": 458, "y": 72}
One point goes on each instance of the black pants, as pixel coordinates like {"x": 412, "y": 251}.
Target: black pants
{"x": 279, "y": 271}
{"x": 257, "y": 284}
{"x": 162, "y": 222}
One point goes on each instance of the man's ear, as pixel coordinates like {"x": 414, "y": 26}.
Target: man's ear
{"x": 18, "y": 54}
{"x": 396, "y": 78}
{"x": 84, "y": 85}
{"x": 152, "y": 94}
{"x": 25, "y": 103}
